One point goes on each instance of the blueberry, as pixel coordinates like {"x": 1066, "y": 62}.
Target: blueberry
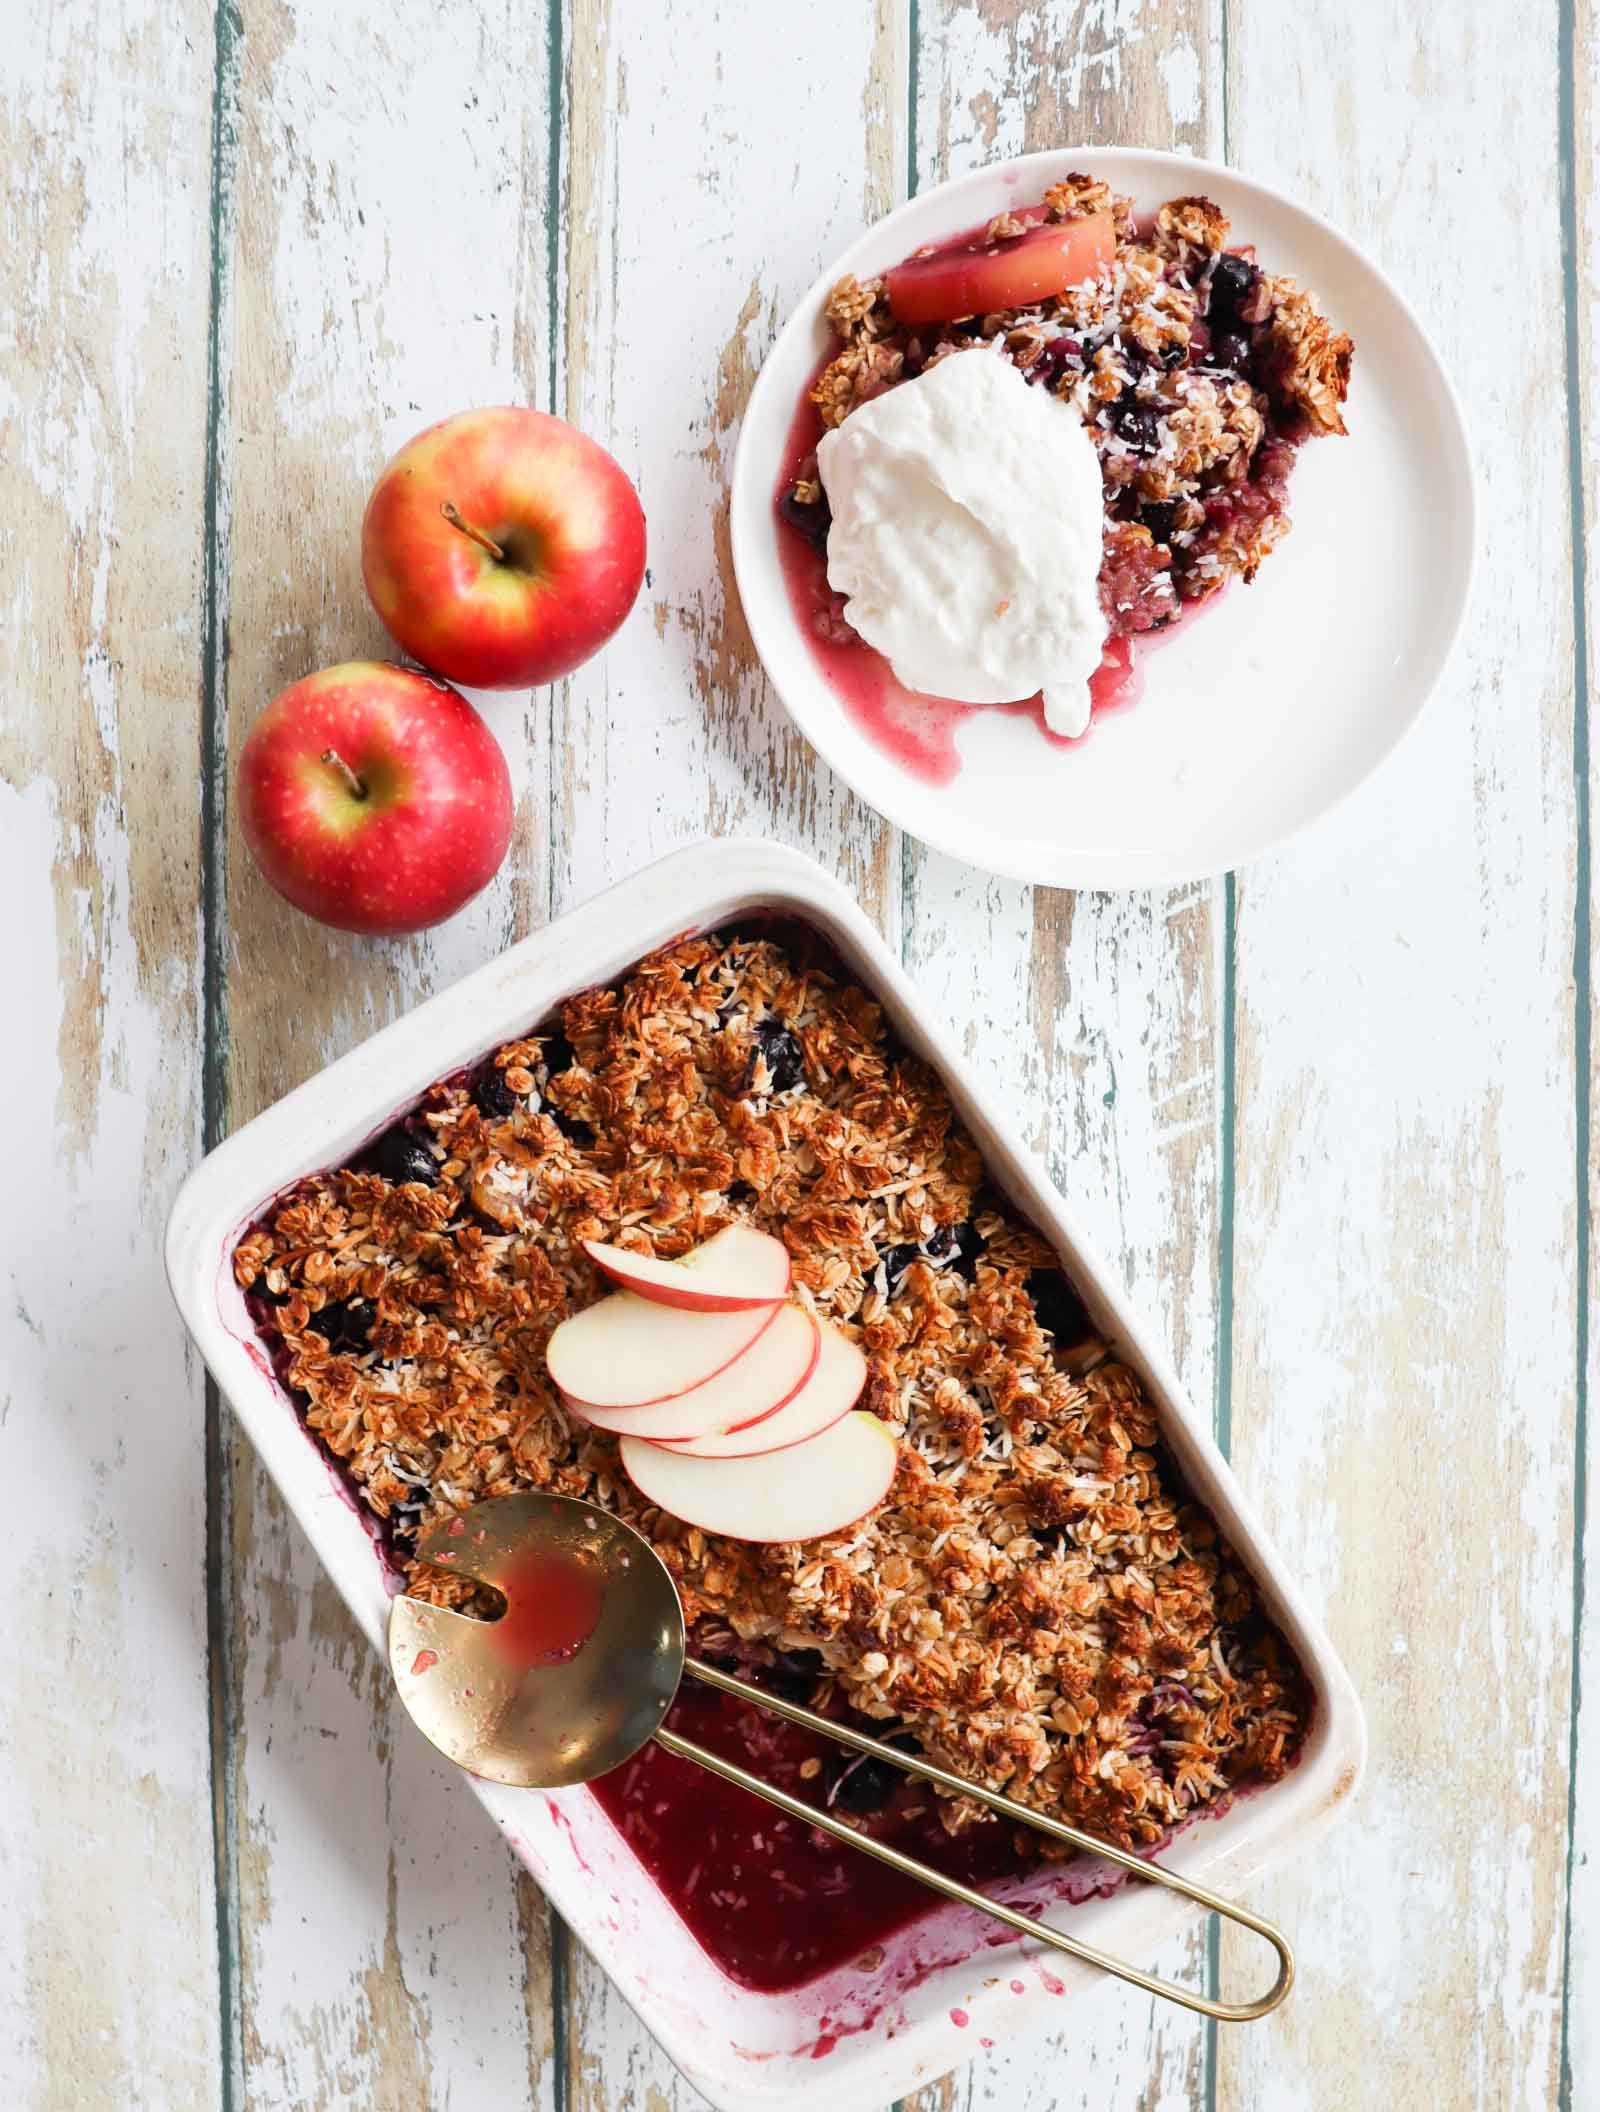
{"x": 784, "y": 1058}
{"x": 399, "y": 1156}
{"x": 556, "y": 1053}
{"x": 575, "y": 1131}
{"x": 1230, "y": 348}
{"x": 1060, "y": 354}
{"x": 1160, "y": 519}
{"x": 1057, "y": 1307}
{"x": 794, "y": 1675}
{"x": 494, "y": 1098}
{"x": 345, "y": 1324}
{"x": 812, "y": 521}
{"x": 896, "y": 1260}
{"x": 1138, "y": 423}
{"x": 1231, "y": 279}
{"x": 866, "y": 1785}
{"x": 956, "y": 1247}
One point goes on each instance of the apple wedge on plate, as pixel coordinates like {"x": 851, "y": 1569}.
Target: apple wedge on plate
{"x": 801, "y": 1493}
{"x": 754, "y": 1387}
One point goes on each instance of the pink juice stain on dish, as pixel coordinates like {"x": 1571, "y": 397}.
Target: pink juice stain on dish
{"x": 918, "y": 731}
{"x": 553, "y": 1603}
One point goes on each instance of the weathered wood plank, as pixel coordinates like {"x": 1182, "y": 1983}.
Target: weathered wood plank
{"x": 1580, "y": 2078}
{"x": 701, "y": 200}
{"x": 108, "y": 1961}
{"x": 1099, "y": 1016}
{"x": 388, "y": 266}
{"x": 1404, "y": 1369}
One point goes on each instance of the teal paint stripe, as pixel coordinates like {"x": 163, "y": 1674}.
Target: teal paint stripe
{"x": 1583, "y": 1016}
{"x": 228, "y": 32}
{"x": 1227, "y": 1131}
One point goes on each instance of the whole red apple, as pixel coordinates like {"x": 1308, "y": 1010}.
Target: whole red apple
{"x": 502, "y": 547}
{"x": 374, "y": 798}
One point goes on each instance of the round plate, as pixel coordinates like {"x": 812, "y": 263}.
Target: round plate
{"x": 1273, "y": 704}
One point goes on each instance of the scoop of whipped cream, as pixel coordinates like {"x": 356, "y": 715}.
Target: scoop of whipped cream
{"x": 966, "y": 536}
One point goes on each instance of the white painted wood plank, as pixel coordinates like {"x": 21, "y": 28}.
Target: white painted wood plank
{"x": 1098, "y": 1016}
{"x": 1405, "y": 1301}
{"x": 703, "y": 194}
{"x": 108, "y": 1977}
{"x": 389, "y": 264}
{"x": 1581, "y": 2073}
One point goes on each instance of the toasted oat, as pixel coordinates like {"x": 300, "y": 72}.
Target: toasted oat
{"x": 1038, "y": 1599}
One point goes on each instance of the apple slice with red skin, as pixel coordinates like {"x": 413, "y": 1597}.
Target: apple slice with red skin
{"x": 977, "y": 277}
{"x": 800, "y": 1493}
{"x": 829, "y": 1394}
{"x": 754, "y": 1386}
{"x": 734, "y": 1271}
{"x": 625, "y": 1352}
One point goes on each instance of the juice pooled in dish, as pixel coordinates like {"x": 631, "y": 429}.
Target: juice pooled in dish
{"x": 968, "y": 1537}
{"x": 954, "y": 540}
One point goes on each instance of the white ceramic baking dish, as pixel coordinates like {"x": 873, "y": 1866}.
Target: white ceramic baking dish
{"x": 864, "y": 2036}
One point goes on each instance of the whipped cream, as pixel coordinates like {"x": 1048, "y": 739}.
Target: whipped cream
{"x": 966, "y": 536}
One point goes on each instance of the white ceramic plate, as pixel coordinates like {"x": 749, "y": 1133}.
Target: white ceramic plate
{"x": 1276, "y": 702}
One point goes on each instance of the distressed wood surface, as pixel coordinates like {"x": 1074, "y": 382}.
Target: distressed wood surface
{"x": 108, "y": 1964}
{"x": 1350, "y": 1177}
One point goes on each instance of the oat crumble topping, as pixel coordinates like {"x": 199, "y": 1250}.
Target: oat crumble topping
{"x": 1196, "y": 374}
{"x": 1038, "y": 1601}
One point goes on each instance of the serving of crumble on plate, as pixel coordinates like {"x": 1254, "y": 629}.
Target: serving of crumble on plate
{"x": 1212, "y": 328}
{"x": 1038, "y": 1602}
{"x": 1197, "y": 372}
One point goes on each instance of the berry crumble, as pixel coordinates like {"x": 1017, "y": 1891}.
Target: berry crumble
{"x": 1197, "y": 374}
{"x": 1037, "y": 1603}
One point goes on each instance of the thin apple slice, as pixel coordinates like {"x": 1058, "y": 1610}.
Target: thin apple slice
{"x": 735, "y": 1271}
{"x": 829, "y": 1394}
{"x": 771, "y": 1372}
{"x": 974, "y": 276}
{"x": 625, "y": 1352}
{"x": 799, "y": 1494}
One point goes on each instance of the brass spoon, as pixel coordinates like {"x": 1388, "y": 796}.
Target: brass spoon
{"x": 607, "y": 1665}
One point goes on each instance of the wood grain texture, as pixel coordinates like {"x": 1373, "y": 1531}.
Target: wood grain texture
{"x": 1097, "y": 1016}
{"x": 1580, "y": 2075}
{"x": 387, "y": 255}
{"x": 1405, "y": 1279}
{"x": 108, "y": 1983}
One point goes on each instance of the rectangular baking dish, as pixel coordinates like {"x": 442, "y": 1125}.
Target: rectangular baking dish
{"x": 877, "y": 2029}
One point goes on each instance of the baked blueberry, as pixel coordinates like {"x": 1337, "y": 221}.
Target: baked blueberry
{"x": 867, "y": 1784}
{"x": 784, "y": 1058}
{"x": 556, "y": 1053}
{"x": 793, "y": 1675}
{"x": 812, "y": 520}
{"x": 1231, "y": 279}
{"x": 345, "y": 1323}
{"x": 956, "y": 1247}
{"x": 492, "y": 1096}
{"x": 399, "y": 1155}
{"x": 1057, "y": 1307}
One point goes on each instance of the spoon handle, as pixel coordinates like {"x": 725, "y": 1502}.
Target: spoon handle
{"x": 953, "y": 1888}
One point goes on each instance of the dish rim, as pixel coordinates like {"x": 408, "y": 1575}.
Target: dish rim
{"x": 912, "y": 2038}
{"x": 788, "y": 661}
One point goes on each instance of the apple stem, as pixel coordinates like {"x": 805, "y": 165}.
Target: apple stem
{"x": 484, "y": 542}
{"x": 336, "y": 761}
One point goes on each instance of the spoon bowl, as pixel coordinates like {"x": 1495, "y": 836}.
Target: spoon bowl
{"x": 578, "y": 1671}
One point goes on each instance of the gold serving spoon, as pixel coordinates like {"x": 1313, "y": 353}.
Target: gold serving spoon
{"x": 579, "y": 1671}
